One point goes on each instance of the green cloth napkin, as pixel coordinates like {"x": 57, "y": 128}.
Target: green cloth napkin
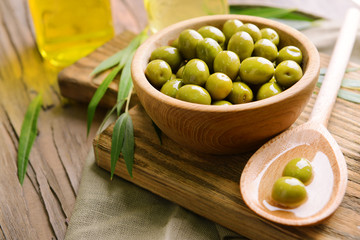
{"x": 118, "y": 209}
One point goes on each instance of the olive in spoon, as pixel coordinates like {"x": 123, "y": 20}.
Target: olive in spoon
{"x": 310, "y": 140}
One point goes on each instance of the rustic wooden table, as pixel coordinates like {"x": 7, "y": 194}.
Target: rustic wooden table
{"x": 41, "y": 208}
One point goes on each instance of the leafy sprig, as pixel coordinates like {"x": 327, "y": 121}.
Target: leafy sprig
{"x": 287, "y": 16}
{"x": 123, "y": 134}
{"x": 28, "y": 135}
{"x": 349, "y": 87}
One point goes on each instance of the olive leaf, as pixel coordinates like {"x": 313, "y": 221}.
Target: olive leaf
{"x": 122, "y": 142}
{"x": 117, "y": 141}
{"x": 128, "y": 146}
{"x": 121, "y": 59}
{"x": 102, "y": 126}
{"x": 272, "y": 12}
{"x": 352, "y": 84}
{"x": 99, "y": 93}
{"x": 109, "y": 62}
{"x": 125, "y": 84}
{"x": 289, "y": 17}
{"x": 123, "y": 133}
{"x": 121, "y": 56}
{"x": 265, "y": 12}
{"x": 349, "y": 95}
{"x": 28, "y": 135}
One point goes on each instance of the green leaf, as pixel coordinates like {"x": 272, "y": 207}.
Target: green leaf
{"x": 272, "y": 12}
{"x": 121, "y": 56}
{"x": 346, "y": 82}
{"x": 323, "y": 71}
{"x": 98, "y": 96}
{"x": 346, "y": 94}
{"x": 102, "y": 125}
{"x": 117, "y": 141}
{"x": 123, "y": 136}
{"x": 289, "y": 17}
{"x": 349, "y": 95}
{"x": 354, "y": 69}
{"x": 109, "y": 62}
{"x": 128, "y": 146}
{"x": 265, "y": 12}
{"x": 28, "y": 135}
{"x": 106, "y": 118}
{"x": 351, "y": 83}
{"x": 134, "y": 44}
{"x": 125, "y": 84}
{"x": 297, "y": 24}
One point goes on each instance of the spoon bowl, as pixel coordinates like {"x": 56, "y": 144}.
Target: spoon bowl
{"x": 311, "y": 141}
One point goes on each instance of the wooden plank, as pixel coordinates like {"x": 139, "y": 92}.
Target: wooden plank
{"x": 209, "y": 185}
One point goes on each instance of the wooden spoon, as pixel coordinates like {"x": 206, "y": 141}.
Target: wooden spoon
{"x": 310, "y": 140}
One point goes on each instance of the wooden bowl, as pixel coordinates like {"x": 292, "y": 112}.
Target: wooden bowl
{"x": 225, "y": 129}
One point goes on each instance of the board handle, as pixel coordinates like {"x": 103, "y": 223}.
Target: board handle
{"x": 339, "y": 60}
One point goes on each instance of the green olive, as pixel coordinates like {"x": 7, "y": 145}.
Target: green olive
{"x": 175, "y": 43}
{"x": 214, "y": 33}
{"x": 268, "y": 89}
{"x": 299, "y": 168}
{"x": 169, "y": 54}
{"x": 206, "y": 50}
{"x": 221, "y": 102}
{"x": 171, "y": 87}
{"x": 287, "y": 73}
{"x": 179, "y": 73}
{"x": 195, "y": 72}
{"x": 218, "y": 85}
{"x": 240, "y": 93}
{"x": 290, "y": 53}
{"x": 288, "y": 192}
{"x": 256, "y": 70}
{"x": 193, "y": 93}
{"x": 252, "y": 29}
{"x": 266, "y": 49}
{"x": 230, "y": 27}
{"x": 271, "y": 34}
{"x": 158, "y": 72}
{"x": 227, "y": 62}
{"x": 188, "y": 41}
{"x": 242, "y": 44}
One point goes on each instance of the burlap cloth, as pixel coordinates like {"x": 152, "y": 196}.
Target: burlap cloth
{"x": 118, "y": 209}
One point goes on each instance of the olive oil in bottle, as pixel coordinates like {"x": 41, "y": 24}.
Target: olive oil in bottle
{"x": 162, "y": 13}
{"x": 67, "y": 30}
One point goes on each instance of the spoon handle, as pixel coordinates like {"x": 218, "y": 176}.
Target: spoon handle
{"x": 336, "y": 69}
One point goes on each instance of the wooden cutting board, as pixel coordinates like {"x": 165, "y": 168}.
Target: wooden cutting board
{"x": 209, "y": 185}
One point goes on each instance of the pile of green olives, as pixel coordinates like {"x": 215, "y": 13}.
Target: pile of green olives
{"x": 289, "y": 190}
{"x": 238, "y": 64}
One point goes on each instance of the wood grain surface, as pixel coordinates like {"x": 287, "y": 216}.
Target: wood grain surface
{"x": 41, "y": 208}
{"x": 209, "y": 185}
